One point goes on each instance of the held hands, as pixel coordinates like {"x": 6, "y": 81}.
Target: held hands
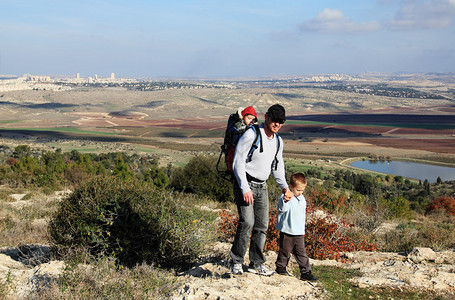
{"x": 287, "y": 195}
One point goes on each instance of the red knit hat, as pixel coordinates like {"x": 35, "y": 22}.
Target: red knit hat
{"x": 249, "y": 111}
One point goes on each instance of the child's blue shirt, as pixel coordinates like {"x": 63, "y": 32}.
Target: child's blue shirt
{"x": 291, "y": 215}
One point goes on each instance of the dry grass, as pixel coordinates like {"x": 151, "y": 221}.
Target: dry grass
{"x": 104, "y": 280}
{"x": 23, "y": 220}
{"x": 435, "y": 231}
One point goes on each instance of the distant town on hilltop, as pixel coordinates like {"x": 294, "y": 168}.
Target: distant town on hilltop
{"x": 367, "y": 83}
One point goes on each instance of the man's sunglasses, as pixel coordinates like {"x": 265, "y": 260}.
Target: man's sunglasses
{"x": 281, "y": 121}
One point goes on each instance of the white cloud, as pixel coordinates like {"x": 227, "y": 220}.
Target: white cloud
{"x": 334, "y": 21}
{"x": 432, "y": 14}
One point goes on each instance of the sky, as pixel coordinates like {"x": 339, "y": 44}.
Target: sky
{"x": 225, "y": 39}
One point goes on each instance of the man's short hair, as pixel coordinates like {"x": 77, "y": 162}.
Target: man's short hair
{"x": 297, "y": 178}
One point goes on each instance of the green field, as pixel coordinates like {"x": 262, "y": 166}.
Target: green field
{"x": 60, "y": 129}
{"x": 392, "y": 125}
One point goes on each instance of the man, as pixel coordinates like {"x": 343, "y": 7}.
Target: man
{"x": 250, "y": 190}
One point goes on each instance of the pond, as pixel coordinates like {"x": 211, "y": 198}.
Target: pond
{"x": 408, "y": 169}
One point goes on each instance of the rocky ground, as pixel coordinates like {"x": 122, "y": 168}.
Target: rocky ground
{"x": 29, "y": 269}
{"x": 422, "y": 269}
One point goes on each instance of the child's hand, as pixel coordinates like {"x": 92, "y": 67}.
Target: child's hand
{"x": 287, "y": 195}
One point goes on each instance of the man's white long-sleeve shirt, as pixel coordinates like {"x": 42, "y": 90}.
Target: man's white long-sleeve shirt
{"x": 260, "y": 165}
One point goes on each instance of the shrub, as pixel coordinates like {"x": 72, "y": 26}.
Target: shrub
{"x": 199, "y": 176}
{"x": 364, "y": 213}
{"x": 437, "y": 235}
{"x": 400, "y": 240}
{"x": 228, "y": 225}
{"x": 131, "y": 222}
{"x": 445, "y": 203}
{"x": 273, "y": 235}
{"x": 75, "y": 175}
{"x": 436, "y": 231}
{"x": 396, "y": 207}
{"x": 22, "y": 151}
{"x": 325, "y": 198}
{"x": 324, "y": 238}
{"x": 156, "y": 177}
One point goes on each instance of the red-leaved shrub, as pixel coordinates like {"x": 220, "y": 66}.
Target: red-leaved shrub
{"x": 324, "y": 238}
{"x": 321, "y": 197}
{"x": 273, "y": 235}
{"x": 228, "y": 225}
{"x": 444, "y": 202}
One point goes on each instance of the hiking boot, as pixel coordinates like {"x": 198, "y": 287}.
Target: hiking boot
{"x": 308, "y": 276}
{"x": 237, "y": 269}
{"x": 260, "y": 270}
{"x": 282, "y": 271}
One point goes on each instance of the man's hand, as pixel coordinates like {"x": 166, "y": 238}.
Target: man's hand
{"x": 248, "y": 197}
{"x": 287, "y": 195}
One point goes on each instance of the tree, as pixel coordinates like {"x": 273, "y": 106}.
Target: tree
{"x": 426, "y": 186}
{"x": 122, "y": 170}
{"x": 199, "y": 176}
{"x": 156, "y": 177}
{"x": 367, "y": 185}
{"x": 22, "y": 151}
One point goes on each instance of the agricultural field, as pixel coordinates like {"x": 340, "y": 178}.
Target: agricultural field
{"x": 407, "y": 116}
{"x": 147, "y": 138}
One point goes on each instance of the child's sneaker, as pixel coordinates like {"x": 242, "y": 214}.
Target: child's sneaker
{"x": 308, "y": 276}
{"x": 282, "y": 271}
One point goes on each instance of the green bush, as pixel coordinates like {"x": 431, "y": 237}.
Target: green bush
{"x": 199, "y": 176}
{"x": 156, "y": 177}
{"x": 396, "y": 207}
{"x": 131, "y": 222}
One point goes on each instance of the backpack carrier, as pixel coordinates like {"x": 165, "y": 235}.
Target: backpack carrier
{"x": 231, "y": 137}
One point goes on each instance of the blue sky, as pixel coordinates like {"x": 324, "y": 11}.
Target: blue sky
{"x": 219, "y": 39}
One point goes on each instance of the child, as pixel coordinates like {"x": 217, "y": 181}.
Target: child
{"x": 291, "y": 224}
{"x": 249, "y": 117}
{"x": 241, "y": 122}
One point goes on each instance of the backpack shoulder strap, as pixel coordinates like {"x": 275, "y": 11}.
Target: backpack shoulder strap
{"x": 257, "y": 142}
{"x": 275, "y": 161}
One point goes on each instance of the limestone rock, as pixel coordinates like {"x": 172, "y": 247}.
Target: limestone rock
{"x": 214, "y": 281}
{"x": 40, "y": 277}
{"x": 394, "y": 270}
{"x": 28, "y": 268}
{"x": 420, "y": 254}
{"x": 7, "y": 263}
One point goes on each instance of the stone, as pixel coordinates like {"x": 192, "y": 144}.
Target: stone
{"x": 420, "y": 254}
{"x": 30, "y": 269}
